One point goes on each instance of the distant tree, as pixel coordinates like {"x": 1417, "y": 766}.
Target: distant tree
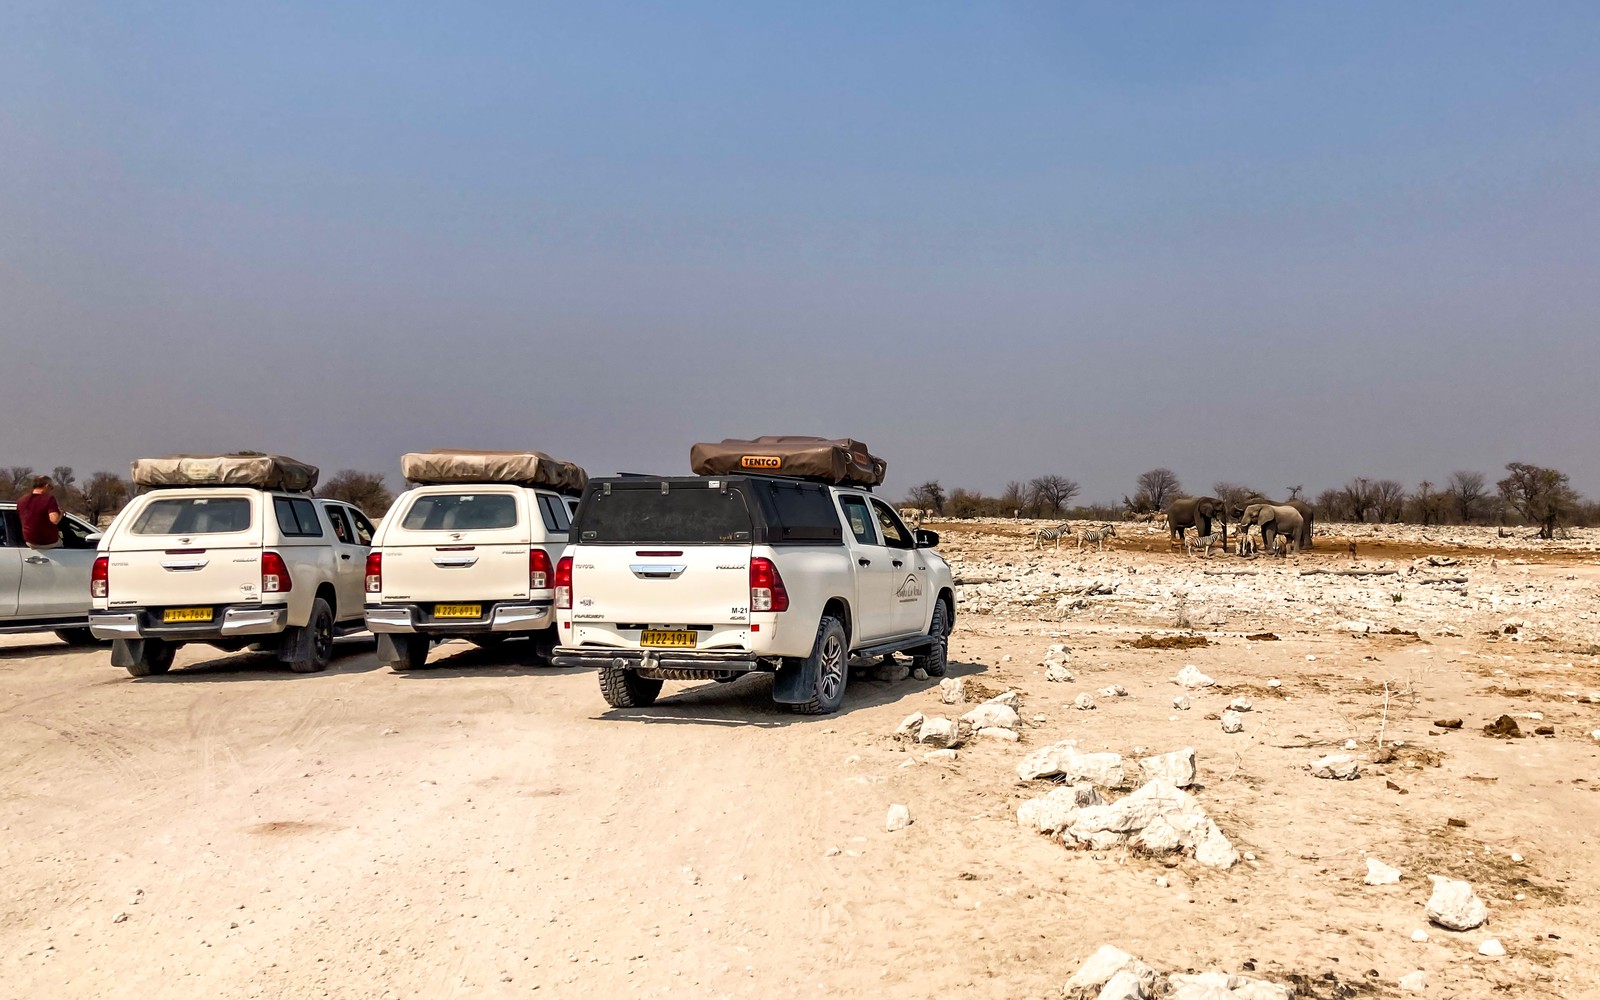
{"x": 1331, "y": 505}
{"x": 967, "y": 503}
{"x": 63, "y": 476}
{"x": 1158, "y": 487}
{"x": 1014, "y": 498}
{"x": 1427, "y": 505}
{"x": 1388, "y": 500}
{"x": 105, "y": 493}
{"x": 1541, "y": 495}
{"x": 1048, "y": 494}
{"x": 364, "y": 490}
{"x": 67, "y": 492}
{"x": 927, "y": 497}
{"x": 1294, "y": 491}
{"x": 1467, "y": 492}
{"x": 1359, "y": 499}
{"x": 15, "y": 481}
{"x": 1233, "y": 495}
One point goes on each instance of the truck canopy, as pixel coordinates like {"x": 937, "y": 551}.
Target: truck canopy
{"x": 516, "y": 468}
{"x": 757, "y": 510}
{"x": 266, "y": 472}
{"x": 838, "y": 461}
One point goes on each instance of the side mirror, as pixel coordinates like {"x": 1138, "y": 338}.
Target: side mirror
{"x": 93, "y": 538}
{"x": 927, "y": 539}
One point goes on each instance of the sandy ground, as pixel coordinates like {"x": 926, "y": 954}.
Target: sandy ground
{"x": 490, "y": 829}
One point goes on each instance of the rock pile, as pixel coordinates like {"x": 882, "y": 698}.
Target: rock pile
{"x": 1113, "y": 974}
{"x": 1156, "y": 818}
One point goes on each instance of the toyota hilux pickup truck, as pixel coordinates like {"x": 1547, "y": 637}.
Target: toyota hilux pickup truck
{"x": 715, "y": 576}
{"x": 471, "y": 553}
{"x": 232, "y": 551}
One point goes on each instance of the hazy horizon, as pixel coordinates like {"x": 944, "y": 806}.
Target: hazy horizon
{"x": 1277, "y": 245}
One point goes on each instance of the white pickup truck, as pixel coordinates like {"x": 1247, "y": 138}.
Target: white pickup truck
{"x": 228, "y": 565}
{"x": 713, "y": 577}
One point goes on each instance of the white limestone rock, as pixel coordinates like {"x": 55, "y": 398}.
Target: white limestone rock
{"x": 998, "y": 733}
{"x": 939, "y": 755}
{"x": 1379, "y": 873}
{"x": 992, "y": 716}
{"x": 898, "y": 819}
{"x": 1492, "y": 948}
{"x": 1063, "y": 760}
{"x": 1232, "y": 722}
{"x": 1191, "y": 678}
{"x": 1089, "y": 982}
{"x": 939, "y": 731}
{"x": 1176, "y": 768}
{"x": 1414, "y": 982}
{"x": 1455, "y": 906}
{"x": 1084, "y": 702}
{"x": 909, "y": 724}
{"x": 1059, "y": 674}
{"x": 953, "y": 690}
{"x": 1240, "y": 705}
{"x": 1337, "y": 767}
{"x": 1180, "y": 703}
{"x": 1114, "y": 691}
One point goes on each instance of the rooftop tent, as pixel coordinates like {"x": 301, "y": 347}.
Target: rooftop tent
{"x": 267, "y": 472}
{"x": 521, "y": 468}
{"x": 841, "y": 461}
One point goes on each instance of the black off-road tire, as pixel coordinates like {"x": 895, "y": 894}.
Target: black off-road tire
{"x": 623, "y": 688}
{"x": 935, "y": 658}
{"x": 414, "y": 651}
{"x": 321, "y": 647}
{"x": 77, "y": 637}
{"x": 155, "y": 657}
{"x": 831, "y": 657}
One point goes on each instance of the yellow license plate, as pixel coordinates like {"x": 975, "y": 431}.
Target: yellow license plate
{"x": 458, "y": 611}
{"x": 186, "y": 615}
{"x": 678, "y": 640}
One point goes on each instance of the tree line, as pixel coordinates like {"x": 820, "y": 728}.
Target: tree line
{"x": 1527, "y": 495}
{"x": 98, "y": 498}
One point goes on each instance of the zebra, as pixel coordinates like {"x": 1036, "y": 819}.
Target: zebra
{"x": 1204, "y": 543}
{"x": 1051, "y": 535}
{"x": 1097, "y": 536}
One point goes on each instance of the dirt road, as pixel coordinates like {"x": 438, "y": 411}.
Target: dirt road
{"x": 487, "y": 829}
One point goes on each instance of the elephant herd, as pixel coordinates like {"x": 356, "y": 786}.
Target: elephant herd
{"x": 1289, "y": 521}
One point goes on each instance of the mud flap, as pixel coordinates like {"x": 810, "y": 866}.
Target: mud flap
{"x": 796, "y": 681}
{"x": 388, "y": 649}
{"x": 126, "y": 652}
{"x": 295, "y": 646}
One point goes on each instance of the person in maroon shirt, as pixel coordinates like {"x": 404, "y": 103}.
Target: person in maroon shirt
{"x": 40, "y": 515}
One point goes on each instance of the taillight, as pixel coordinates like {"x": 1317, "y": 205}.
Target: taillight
{"x": 766, "y": 587}
{"x": 564, "y": 583}
{"x": 100, "y": 578}
{"x": 539, "y": 569}
{"x": 374, "y": 572}
{"x": 274, "y": 574}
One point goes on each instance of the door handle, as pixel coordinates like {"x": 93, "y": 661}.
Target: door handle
{"x": 345, "y": 557}
{"x": 36, "y": 560}
{"x": 863, "y": 562}
{"x": 898, "y": 564}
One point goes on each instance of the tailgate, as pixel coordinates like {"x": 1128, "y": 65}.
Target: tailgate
{"x": 156, "y": 566}
{"x": 457, "y": 545}
{"x": 661, "y": 584}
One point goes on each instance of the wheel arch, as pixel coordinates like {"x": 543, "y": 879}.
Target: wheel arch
{"x": 838, "y": 607}
{"x": 326, "y": 591}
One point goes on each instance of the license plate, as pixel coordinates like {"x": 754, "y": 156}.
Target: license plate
{"x": 458, "y": 611}
{"x": 186, "y": 615}
{"x": 678, "y": 640}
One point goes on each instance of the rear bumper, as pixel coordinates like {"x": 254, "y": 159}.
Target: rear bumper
{"x": 710, "y": 661}
{"x": 226, "y": 623}
{"x": 506, "y": 616}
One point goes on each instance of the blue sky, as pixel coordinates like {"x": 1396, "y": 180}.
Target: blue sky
{"x": 1265, "y": 243}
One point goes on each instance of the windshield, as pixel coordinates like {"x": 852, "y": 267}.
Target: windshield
{"x": 691, "y": 515}
{"x": 193, "y": 516}
{"x": 461, "y": 512}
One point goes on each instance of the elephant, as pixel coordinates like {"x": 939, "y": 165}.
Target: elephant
{"x": 1307, "y": 515}
{"x": 1276, "y": 521}
{"x": 1196, "y": 513}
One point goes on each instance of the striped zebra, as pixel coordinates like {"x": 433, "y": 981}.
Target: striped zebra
{"x": 1097, "y": 536}
{"x": 1051, "y": 535}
